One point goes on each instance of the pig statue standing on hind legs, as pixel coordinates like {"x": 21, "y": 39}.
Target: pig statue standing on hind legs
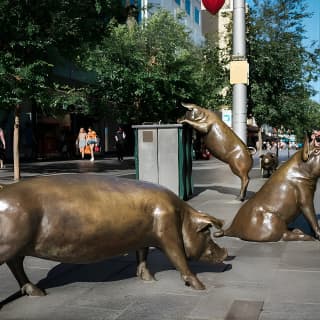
{"x": 222, "y": 142}
{"x": 288, "y": 192}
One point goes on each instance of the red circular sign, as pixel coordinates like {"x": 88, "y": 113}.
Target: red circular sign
{"x": 213, "y": 6}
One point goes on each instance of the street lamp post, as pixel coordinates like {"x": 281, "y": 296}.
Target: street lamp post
{"x": 239, "y": 71}
{"x": 239, "y": 68}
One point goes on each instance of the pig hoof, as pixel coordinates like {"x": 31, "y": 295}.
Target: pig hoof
{"x": 218, "y": 234}
{"x": 195, "y": 283}
{"x": 317, "y": 234}
{"x": 31, "y": 290}
{"x": 145, "y": 275}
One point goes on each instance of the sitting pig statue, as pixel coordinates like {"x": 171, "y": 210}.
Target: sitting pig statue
{"x": 268, "y": 163}
{"x": 222, "y": 142}
{"x": 286, "y": 194}
{"x": 84, "y": 218}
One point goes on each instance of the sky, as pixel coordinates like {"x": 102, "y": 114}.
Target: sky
{"x": 313, "y": 33}
{"x": 312, "y": 27}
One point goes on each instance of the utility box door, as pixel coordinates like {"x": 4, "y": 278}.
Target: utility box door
{"x": 148, "y": 155}
{"x": 163, "y": 155}
{"x": 168, "y": 150}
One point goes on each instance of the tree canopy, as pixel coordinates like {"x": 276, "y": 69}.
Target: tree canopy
{"x": 281, "y": 67}
{"x": 30, "y": 30}
{"x": 146, "y": 70}
{"x": 143, "y": 71}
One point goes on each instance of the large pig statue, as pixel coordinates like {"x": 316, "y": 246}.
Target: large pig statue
{"x": 84, "y": 218}
{"x": 288, "y": 192}
{"x": 222, "y": 142}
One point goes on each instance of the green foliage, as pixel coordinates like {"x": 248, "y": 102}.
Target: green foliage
{"x": 281, "y": 68}
{"x": 29, "y": 29}
{"x": 146, "y": 71}
{"x": 213, "y": 77}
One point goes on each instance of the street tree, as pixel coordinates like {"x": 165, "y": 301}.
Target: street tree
{"x": 281, "y": 67}
{"x": 146, "y": 70}
{"x": 30, "y": 30}
{"x": 212, "y": 76}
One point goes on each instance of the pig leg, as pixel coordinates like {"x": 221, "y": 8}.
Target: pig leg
{"x": 199, "y": 126}
{"x": 242, "y": 172}
{"x": 244, "y": 186}
{"x": 174, "y": 249}
{"x": 142, "y": 270}
{"x": 309, "y": 213}
{"x": 296, "y": 235}
{"x": 178, "y": 259}
{"x": 16, "y": 267}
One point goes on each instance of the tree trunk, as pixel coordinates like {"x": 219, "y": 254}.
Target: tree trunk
{"x": 260, "y": 142}
{"x": 16, "y": 160}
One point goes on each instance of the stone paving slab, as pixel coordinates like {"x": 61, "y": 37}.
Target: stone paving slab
{"x": 290, "y": 311}
{"x": 249, "y": 310}
{"x": 309, "y": 260}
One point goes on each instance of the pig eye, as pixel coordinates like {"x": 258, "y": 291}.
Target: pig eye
{"x": 316, "y": 151}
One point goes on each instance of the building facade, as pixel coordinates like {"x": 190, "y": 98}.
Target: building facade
{"x": 191, "y": 8}
{"x": 218, "y": 24}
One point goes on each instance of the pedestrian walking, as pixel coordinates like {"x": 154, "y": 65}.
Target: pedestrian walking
{"x": 2, "y": 148}
{"x": 82, "y": 141}
{"x": 91, "y": 141}
{"x": 120, "y": 138}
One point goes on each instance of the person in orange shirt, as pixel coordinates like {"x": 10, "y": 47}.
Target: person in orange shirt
{"x": 91, "y": 141}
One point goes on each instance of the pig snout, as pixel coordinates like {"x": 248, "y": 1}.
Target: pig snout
{"x": 214, "y": 254}
{"x": 269, "y": 161}
{"x": 266, "y": 160}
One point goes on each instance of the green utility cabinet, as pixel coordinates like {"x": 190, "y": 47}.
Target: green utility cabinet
{"x": 163, "y": 155}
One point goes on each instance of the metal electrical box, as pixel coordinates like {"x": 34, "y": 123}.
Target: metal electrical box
{"x": 163, "y": 155}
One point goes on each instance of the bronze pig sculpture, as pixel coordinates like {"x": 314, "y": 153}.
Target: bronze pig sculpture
{"x": 222, "y": 142}
{"x": 268, "y": 163}
{"x": 286, "y": 194}
{"x": 84, "y": 218}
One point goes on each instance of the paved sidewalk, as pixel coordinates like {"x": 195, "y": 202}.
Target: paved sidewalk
{"x": 265, "y": 281}
{"x": 109, "y": 166}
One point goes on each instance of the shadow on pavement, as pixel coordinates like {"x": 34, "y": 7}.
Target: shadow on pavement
{"x": 11, "y": 298}
{"x": 113, "y": 269}
{"x": 118, "y": 268}
{"x": 78, "y": 166}
{"x": 222, "y": 190}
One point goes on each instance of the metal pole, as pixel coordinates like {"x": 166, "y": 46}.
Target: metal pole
{"x": 239, "y": 95}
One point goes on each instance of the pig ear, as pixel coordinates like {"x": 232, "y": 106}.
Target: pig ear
{"x": 205, "y": 221}
{"x": 306, "y": 149}
{"x": 189, "y": 106}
